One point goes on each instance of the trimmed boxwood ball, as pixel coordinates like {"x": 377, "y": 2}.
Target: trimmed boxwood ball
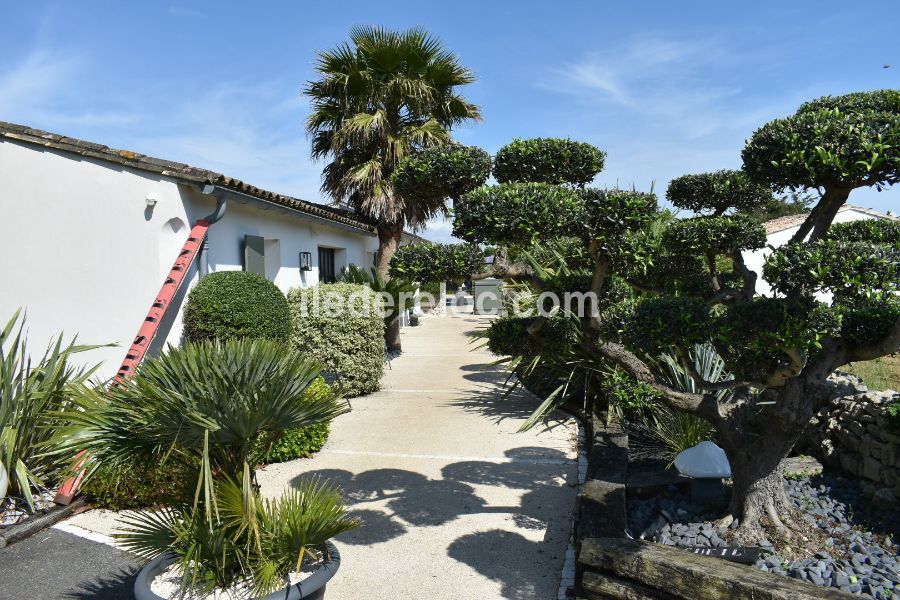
{"x": 236, "y": 304}
{"x": 717, "y": 192}
{"x": 336, "y": 324}
{"x": 445, "y": 172}
{"x": 714, "y": 234}
{"x": 548, "y": 160}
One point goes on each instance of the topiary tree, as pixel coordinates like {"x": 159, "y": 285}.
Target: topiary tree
{"x": 236, "y": 304}
{"x": 692, "y": 285}
{"x": 834, "y": 144}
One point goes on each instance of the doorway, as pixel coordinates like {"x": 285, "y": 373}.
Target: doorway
{"x": 326, "y": 265}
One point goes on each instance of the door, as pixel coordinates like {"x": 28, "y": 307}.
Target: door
{"x": 326, "y": 265}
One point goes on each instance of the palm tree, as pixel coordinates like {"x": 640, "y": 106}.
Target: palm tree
{"x": 380, "y": 98}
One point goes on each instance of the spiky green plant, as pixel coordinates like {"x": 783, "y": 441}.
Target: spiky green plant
{"x": 250, "y": 538}
{"x": 679, "y": 430}
{"x": 215, "y": 404}
{"x": 35, "y": 393}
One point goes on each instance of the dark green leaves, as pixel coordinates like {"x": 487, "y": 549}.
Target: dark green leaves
{"x": 236, "y": 304}
{"x": 714, "y": 235}
{"x": 875, "y": 231}
{"x": 516, "y": 213}
{"x": 717, "y": 192}
{"x": 437, "y": 262}
{"x": 841, "y": 267}
{"x": 845, "y": 141}
{"x": 548, "y": 160}
{"x": 660, "y": 323}
{"x": 439, "y": 173}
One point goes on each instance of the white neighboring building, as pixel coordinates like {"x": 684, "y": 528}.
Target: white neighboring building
{"x": 780, "y": 231}
{"x": 87, "y": 234}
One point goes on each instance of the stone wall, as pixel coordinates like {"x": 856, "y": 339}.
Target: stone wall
{"x": 851, "y": 435}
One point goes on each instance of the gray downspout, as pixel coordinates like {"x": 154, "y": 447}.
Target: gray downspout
{"x": 217, "y": 214}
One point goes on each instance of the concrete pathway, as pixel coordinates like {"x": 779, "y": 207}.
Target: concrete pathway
{"x": 455, "y": 504}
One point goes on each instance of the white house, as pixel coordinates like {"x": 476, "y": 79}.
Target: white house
{"x": 88, "y": 233}
{"x": 779, "y": 232}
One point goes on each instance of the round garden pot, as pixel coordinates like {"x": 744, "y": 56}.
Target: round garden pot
{"x": 311, "y": 588}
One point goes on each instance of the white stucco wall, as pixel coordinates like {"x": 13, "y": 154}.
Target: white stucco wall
{"x": 756, "y": 260}
{"x": 82, "y": 253}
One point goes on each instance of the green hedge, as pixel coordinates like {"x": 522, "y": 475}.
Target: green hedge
{"x": 336, "y": 325}
{"x": 142, "y": 486}
{"x": 303, "y": 442}
{"x": 236, "y": 304}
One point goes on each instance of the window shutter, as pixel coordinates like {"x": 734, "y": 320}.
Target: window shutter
{"x": 255, "y": 254}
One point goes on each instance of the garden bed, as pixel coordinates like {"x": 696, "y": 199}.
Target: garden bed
{"x": 859, "y": 550}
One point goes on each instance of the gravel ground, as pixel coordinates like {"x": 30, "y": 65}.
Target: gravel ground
{"x": 861, "y": 553}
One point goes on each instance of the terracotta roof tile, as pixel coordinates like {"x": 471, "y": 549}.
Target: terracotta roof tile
{"x": 782, "y": 223}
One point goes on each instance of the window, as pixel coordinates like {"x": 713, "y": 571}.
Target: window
{"x": 326, "y": 265}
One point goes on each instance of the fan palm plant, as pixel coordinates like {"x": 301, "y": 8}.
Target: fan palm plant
{"x": 219, "y": 401}
{"x": 34, "y": 392}
{"x": 378, "y": 99}
{"x": 210, "y": 406}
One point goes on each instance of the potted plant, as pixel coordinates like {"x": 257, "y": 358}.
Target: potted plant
{"x": 213, "y": 407}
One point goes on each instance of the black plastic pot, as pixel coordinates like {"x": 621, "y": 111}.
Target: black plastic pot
{"x": 311, "y": 588}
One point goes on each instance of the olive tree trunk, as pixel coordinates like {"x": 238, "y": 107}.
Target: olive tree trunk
{"x": 756, "y": 440}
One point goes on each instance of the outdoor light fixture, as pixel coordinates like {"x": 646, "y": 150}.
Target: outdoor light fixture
{"x": 151, "y": 200}
{"x": 306, "y": 261}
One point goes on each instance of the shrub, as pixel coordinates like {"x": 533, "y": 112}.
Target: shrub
{"x": 138, "y": 486}
{"x": 236, "y": 304}
{"x": 303, "y": 442}
{"x": 336, "y": 325}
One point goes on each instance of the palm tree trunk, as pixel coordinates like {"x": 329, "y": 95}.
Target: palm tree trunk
{"x": 388, "y": 242}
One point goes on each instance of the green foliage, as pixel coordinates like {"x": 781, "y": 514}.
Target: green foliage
{"x": 864, "y": 320}
{"x": 377, "y": 100}
{"x": 548, "y": 160}
{"x": 399, "y": 291}
{"x": 626, "y": 396}
{"x": 340, "y": 326}
{"x": 215, "y": 400}
{"x": 443, "y": 172}
{"x": 717, "y": 192}
{"x": 298, "y": 443}
{"x": 872, "y": 231}
{"x": 608, "y": 216}
{"x": 679, "y": 430}
{"x": 714, "y": 235}
{"x": 659, "y": 323}
{"x": 206, "y": 409}
{"x": 508, "y": 336}
{"x": 515, "y": 213}
{"x": 236, "y": 304}
{"x": 249, "y": 537}
{"x": 302, "y": 442}
{"x": 893, "y": 415}
{"x": 846, "y": 268}
{"x": 754, "y": 336}
{"x": 879, "y": 374}
{"x": 437, "y": 262}
{"x": 140, "y": 485}
{"x": 35, "y": 396}
{"x": 840, "y": 142}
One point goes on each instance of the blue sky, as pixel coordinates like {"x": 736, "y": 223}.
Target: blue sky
{"x": 666, "y": 88}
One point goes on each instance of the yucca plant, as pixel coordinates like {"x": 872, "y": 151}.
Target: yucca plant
{"x": 678, "y": 430}
{"x": 212, "y": 405}
{"x": 35, "y": 394}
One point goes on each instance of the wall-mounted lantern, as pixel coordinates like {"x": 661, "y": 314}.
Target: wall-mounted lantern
{"x": 306, "y": 261}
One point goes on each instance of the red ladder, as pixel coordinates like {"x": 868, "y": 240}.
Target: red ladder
{"x": 147, "y": 331}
